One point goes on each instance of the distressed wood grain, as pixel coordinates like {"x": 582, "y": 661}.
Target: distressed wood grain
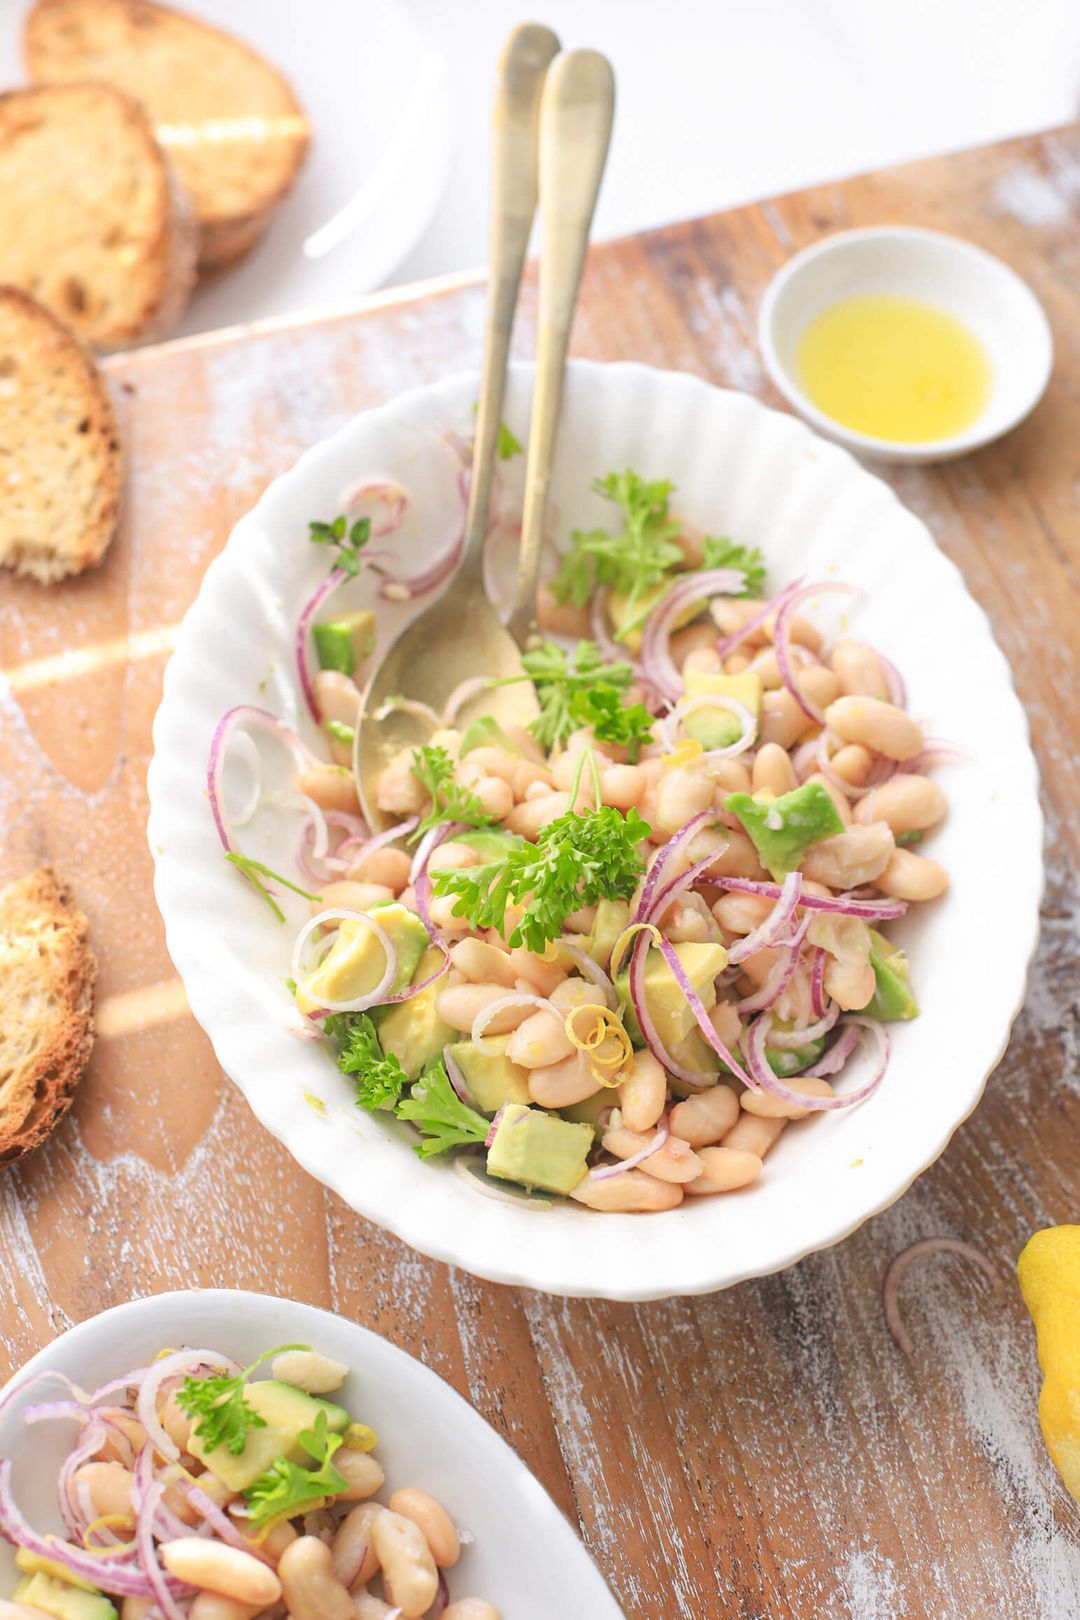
{"x": 763, "y": 1453}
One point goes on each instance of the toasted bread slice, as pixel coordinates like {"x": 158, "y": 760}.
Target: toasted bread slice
{"x": 227, "y": 118}
{"x": 60, "y": 461}
{"x": 92, "y": 222}
{"x": 47, "y": 973}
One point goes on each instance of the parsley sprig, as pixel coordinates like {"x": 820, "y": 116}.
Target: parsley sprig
{"x": 286, "y": 1488}
{"x": 563, "y": 678}
{"x": 348, "y": 540}
{"x": 635, "y": 558}
{"x": 218, "y": 1402}
{"x": 439, "y": 1114}
{"x": 576, "y": 861}
{"x": 433, "y": 766}
{"x": 255, "y": 871}
{"x": 720, "y": 553}
{"x": 380, "y": 1079}
{"x": 432, "y": 1105}
{"x": 601, "y": 708}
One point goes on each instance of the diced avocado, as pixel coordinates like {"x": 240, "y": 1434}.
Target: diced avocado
{"x": 357, "y": 961}
{"x": 611, "y": 920}
{"x": 486, "y": 732}
{"x": 585, "y": 1113}
{"x": 538, "y": 1149}
{"x": 629, "y": 619}
{"x": 783, "y": 829}
{"x": 716, "y": 727}
{"x": 63, "y": 1598}
{"x": 893, "y": 997}
{"x": 670, "y": 1011}
{"x": 490, "y": 1076}
{"x": 288, "y": 1412}
{"x": 694, "y": 1052}
{"x": 344, "y": 643}
{"x": 33, "y": 1564}
{"x": 412, "y": 1031}
{"x": 783, "y": 1062}
{"x": 491, "y": 843}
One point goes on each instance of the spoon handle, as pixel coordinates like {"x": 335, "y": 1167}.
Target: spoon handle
{"x": 575, "y": 129}
{"x": 514, "y": 183}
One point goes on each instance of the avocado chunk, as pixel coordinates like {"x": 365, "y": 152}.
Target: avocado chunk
{"x": 893, "y": 997}
{"x": 538, "y": 1149}
{"x": 782, "y": 829}
{"x": 629, "y": 618}
{"x": 671, "y": 1012}
{"x": 412, "y": 1031}
{"x": 33, "y": 1564}
{"x": 490, "y": 1076}
{"x": 288, "y": 1412}
{"x": 694, "y": 1052}
{"x": 63, "y": 1598}
{"x": 611, "y": 920}
{"x": 586, "y": 1111}
{"x": 717, "y": 727}
{"x": 357, "y": 961}
{"x": 486, "y": 732}
{"x": 490, "y": 843}
{"x": 344, "y": 643}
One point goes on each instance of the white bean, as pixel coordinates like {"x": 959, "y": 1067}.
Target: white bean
{"x": 912, "y": 877}
{"x": 436, "y": 1525}
{"x": 363, "y": 1472}
{"x": 311, "y": 1589}
{"x": 539, "y": 1042}
{"x": 766, "y": 1105}
{"x": 725, "y": 1169}
{"x": 643, "y": 1094}
{"x": 333, "y": 787}
{"x": 706, "y": 1117}
{"x": 461, "y": 1004}
{"x": 409, "y": 1572}
{"x": 880, "y": 726}
{"x": 213, "y": 1606}
{"x": 483, "y": 963}
{"x": 853, "y": 857}
{"x": 630, "y": 1193}
{"x": 219, "y": 1568}
{"x": 309, "y": 1370}
{"x": 905, "y": 803}
{"x": 353, "y": 1549}
{"x": 675, "y": 1161}
{"x": 470, "y": 1609}
{"x": 560, "y": 1085}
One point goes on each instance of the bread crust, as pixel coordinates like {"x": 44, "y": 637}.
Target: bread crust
{"x": 44, "y": 942}
{"x": 61, "y": 370}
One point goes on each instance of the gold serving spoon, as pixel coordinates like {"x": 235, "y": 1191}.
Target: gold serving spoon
{"x": 460, "y": 636}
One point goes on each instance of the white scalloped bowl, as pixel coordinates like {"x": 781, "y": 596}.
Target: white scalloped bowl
{"x": 740, "y": 470}
{"x": 525, "y": 1558}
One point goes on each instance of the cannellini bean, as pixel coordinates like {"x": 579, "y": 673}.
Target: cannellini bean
{"x": 699, "y": 637}
{"x": 818, "y": 685}
{"x": 853, "y": 763}
{"x": 452, "y": 856}
{"x": 436, "y": 1525}
{"x": 540, "y": 1041}
{"x": 728, "y": 776}
{"x": 525, "y": 743}
{"x": 399, "y": 790}
{"x": 494, "y": 762}
{"x": 564, "y": 767}
{"x": 783, "y": 721}
{"x": 800, "y": 631}
{"x": 860, "y": 670}
{"x": 470, "y": 1609}
{"x": 387, "y": 866}
{"x": 131, "y": 1608}
{"x": 725, "y": 1020}
{"x": 725, "y": 1169}
{"x": 858, "y": 855}
{"x": 773, "y": 771}
{"x": 333, "y": 787}
{"x": 310, "y": 1587}
{"x": 496, "y": 796}
{"x": 542, "y": 976}
{"x": 735, "y": 663}
{"x": 353, "y": 1549}
{"x": 363, "y": 1472}
{"x": 560, "y": 1085}
{"x": 758, "y": 966}
{"x": 912, "y": 877}
{"x": 905, "y": 803}
{"x": 483, "y": 963}
{"x": 460, "y": 1005}
{"x": 444, "y": 919}
{"x": 704, "y": 658}
{"x": 706, "y": 1117}
{"x": 689, "y": 919}
{"x": 175, "y": 1421}
{"x": 683, "y": 791}
{"x": 630, "y": 1193}
{"x": 573, "y": 993}
{"x": 850, "y": 982}
{"x": 742, "y": 913}
{"x": 643, "y": 1093}
{"x": 527, "y": 818}
{"x": 621, "y": 786}
{"x": 765, "y": 1105}
{"x": 764, "y": 665}
{"x": 366, "y": 1606}
{"x": 274, "y": 1543}
{"x": 675, "y": 1161}
{"x": 409, "y": 1572}
{"x": 880, "y": 726}
{"x": 111, "y": 1450}
{"x": 109, "y": 1485}
{"x": 838, "y": 797}
{"x": 731, "y": 613}
{"x": 351, "y": 896}
{"x": 561, "y": 618}
{"x": 750, "y": 1134}
{"x": 214, "y": 1606}
{"x": 528, "y": 775}
{"x": 736, "y": 858}
{"x": 337, "y": 697}
{"x": 219, "y": 1568}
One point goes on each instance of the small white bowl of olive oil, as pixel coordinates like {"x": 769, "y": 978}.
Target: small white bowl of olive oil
{"x": 905, "y": 345}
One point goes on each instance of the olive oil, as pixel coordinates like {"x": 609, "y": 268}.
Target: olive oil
{"x": 894, "y": 368}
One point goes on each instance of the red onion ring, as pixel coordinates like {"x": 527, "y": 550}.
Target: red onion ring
{"x": 779, "y": 977}
{"x": 894, "y": 681}
{"x": 790, "y": 1040}
{"x": 181, "y": 1363}
{"x": 782, "y": 646}
{"x": 712, "y": 700}
{"x": 606, "y": 1172}
{"x": 457, "y": 1079}
{"x": 512, "y": 998}
{"x": 111, "y": 1575}
{"x": 303, "y": 626}
{"x": 701, "y": 1017}
{"x": 884, "y": 910}
{"x": 88, "y": 1445}
{"x": 385, "y": 492}
{"x": 769, "y": 932}
{"x": 146, "y": 1495}
{"x": 897, "y": 1270}
{"x": 677, "y": 886}
{"x": 598, "y": 624}
{"x": 728, "y": 644}
{"x": 818, "y": 998}
{"x": 262, "y": 720}
{"x": 766, "y": 1080}
{"x": 590, "y": 969}
{"x": 645, "y": 905}
{"x": 373, "y": 998}
{"x": 655, "y": 656}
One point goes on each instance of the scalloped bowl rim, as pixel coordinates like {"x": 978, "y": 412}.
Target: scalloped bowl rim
{"x": 491, "y": 1242}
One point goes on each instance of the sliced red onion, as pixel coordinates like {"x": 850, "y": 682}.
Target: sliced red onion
{"x": 430, "y": 841}
{"x": 422, "y": 880}
{"x": 649, "y": 1032}
{"x": 766, "y": 1080}
{"x": 701, "y": 1017}
{"x": 442, "y": 1599}
{"x": 644, "y": 908}
{"x": 790, "y": 1040}
{"x": 404, "y": 705}
{"x": 894, "y": 681}
{"x": 373, "y": 998}
{"x": 117, "y": 1577}
{"x": 512, "y": 998}
{"x": 377, "y": 492}
{"x": 182, "y": 1363}
{"x": 245, "y": 714}
{"x": 412, "y": 990}
{"x": 782, "y": 647}
{"x": 88, "y": 1445}
{"x": 779, "y": 977}
{"x": 244, "y": 744}
{"x": 882, "y": 769}
{"x": 655, "y": 657}
{"x": 938, "y": 751}
{"x": 403, "y": 588}
{"x": 770, "y": 931}
{"x": 712, "y": 700}
{"x": 885, "y": 910}
{"x": 818, "y": 998}
{"x": 897, "y": 1270}
{"x": 675, "y": 887}
{"x": 832, "y": 1061}
{"x": 303, "y": 629}
{"x": 590, "y": 969}
{"x": 218, "y": 1521}
{"x": 146, "y": 1495}
{"x": 457, "y": 1079}
{"x": 598, "y": 624}
{"x": 729, "y": 643}
{"x": 607, "y": 1171}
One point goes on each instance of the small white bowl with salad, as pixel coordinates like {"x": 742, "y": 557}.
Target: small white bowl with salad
{"x": 661, "y": 992}
{"x": 218, "y": 1452}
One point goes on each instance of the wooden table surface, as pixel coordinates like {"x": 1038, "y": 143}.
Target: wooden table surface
{"x": 765, "y": 1452}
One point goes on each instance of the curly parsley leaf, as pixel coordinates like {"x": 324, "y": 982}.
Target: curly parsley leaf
{"x": 252, "y": 870}
{"x": 348, "y": 540}
{"x": 634, "y": 559}
{"x": 610, "y": 720}
{"x": 380, "y": 1079}
{"x": 218, "y": 1402}
{"x": 286, "y": 1487}
{"x": 433, "y": 766}
{"x": 576, "y": 861}
{"x": 559, "y": 677}
{"x": 437, "y": 1111}
{"x": 508, "y": 445}
{"x": 720, "y": 553}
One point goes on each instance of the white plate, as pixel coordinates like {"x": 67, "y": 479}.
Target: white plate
{"x": 740, "y": 470}
{"x": 525, "y": 1559}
